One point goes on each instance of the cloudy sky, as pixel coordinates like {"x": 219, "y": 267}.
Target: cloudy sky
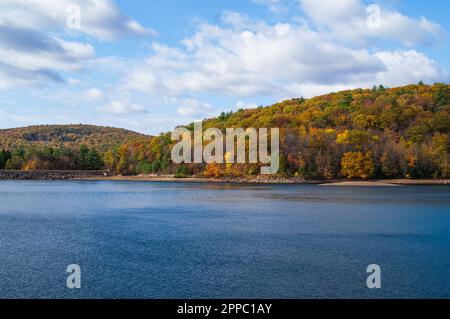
{"x": 151, "y": 65}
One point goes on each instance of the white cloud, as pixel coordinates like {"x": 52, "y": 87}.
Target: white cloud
{"x": 408, "y": 67}
{"x": 124, "y": 107}
{"x": 235, "y": 19}
{"x": 244, "y": 105}
{"x": 94, "y": 95}
{"x": 275, "y": 60}
{"x": 329, "y": 12}
{"x": 250, "y": 62}
{"x": 30, "y": 57}
{"x": 73, "y": 81}
{"x": 99, "y": 18}
{"x": 190, "y": 108}
{"x": 141, "y": 81}
{"x": 402, "y": 67}
{"x": 33, "y": 49}
{"x": 347, "y": 20}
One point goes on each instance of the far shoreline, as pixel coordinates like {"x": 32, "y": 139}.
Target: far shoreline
{"x": 107, "y": 176}
{"x": 280, "y": 181}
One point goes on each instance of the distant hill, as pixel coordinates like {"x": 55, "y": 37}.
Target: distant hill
{"x": 68, "y": 136}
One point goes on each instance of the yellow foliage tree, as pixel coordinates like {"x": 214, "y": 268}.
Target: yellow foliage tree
{"x": 358, "y": 165}
{"x": 439, "y": 154}
{"x": 30, "y": 165}
{"x": 212, "y": 170}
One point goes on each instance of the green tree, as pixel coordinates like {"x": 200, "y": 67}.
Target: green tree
{"x": 4, "y": 157}
{"x": 442, "y": 96}
{"x": 89, "y": 159}
{"x": 441, "y": 122}
{"x": 15, "y": 163}
{"x": 183, "y": 171}
{"x": 94, "y": 160}
{"x": 439, "y": 155}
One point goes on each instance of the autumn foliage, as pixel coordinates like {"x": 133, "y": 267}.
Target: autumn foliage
{"x": 357, "y": 165}
{"x": 365, "y": 133}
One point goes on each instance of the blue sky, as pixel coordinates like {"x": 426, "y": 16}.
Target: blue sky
{"x": 151, "y": 65}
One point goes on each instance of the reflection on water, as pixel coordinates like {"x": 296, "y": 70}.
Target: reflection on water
{"x": 187, "y": 240}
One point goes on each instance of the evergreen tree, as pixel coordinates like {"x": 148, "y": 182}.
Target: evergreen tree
{"x": 4, "y": 157}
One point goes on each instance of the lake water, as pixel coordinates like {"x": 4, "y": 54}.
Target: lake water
{"x": 184, "y": 240}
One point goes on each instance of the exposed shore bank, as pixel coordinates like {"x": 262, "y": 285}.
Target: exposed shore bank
{"x": 389, "y": 182}
{"x": 106, "y": 176}
{"x": 282, "y": 180}
{"x": 50, "y": 175}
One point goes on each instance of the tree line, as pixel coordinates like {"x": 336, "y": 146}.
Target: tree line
{"x": 51, "y": 159}
{"x": 365, "y": 133}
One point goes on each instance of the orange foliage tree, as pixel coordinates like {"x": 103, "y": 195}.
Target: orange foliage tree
{"x": 358, "y": 165}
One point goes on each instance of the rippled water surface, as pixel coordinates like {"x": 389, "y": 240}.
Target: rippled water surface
{"x": 183, "y": 240}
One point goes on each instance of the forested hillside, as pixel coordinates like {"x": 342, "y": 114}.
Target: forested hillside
{"x": 66, "y": 136}
{"x": 59, "y": 146}
{"x": 366, "y": 133}
{"x": 377, "y": 133}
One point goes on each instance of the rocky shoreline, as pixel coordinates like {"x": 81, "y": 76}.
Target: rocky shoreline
{"x": 275, "y": 180}
{"x": 107, "y": 176}
{"x": 104, "y": 175}
{"x": 266, "y": 180}
{"x": 50, "y": 175}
